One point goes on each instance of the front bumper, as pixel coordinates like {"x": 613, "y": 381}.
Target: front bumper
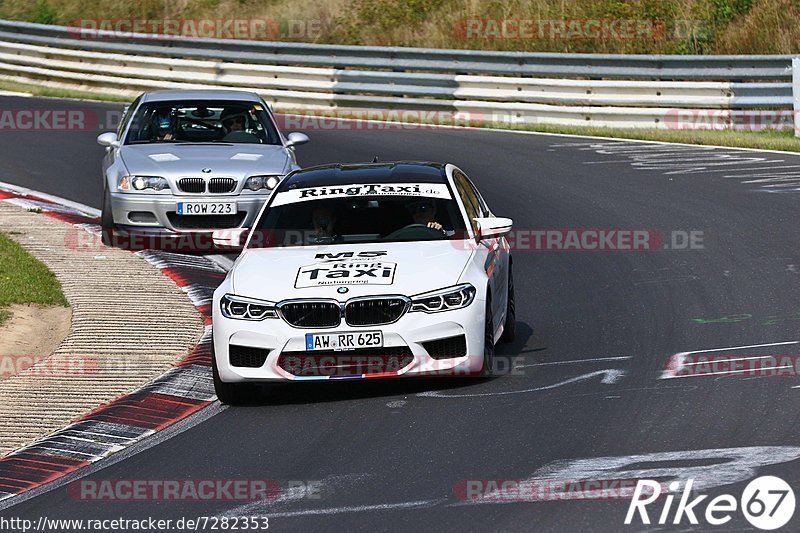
{"x": 410, "y": 331}
{"x": 128, "y": 210}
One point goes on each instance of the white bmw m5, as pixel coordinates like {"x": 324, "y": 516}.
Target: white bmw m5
{"x": 365, "y": 271}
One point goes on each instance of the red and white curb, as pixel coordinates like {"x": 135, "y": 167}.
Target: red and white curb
{"x": 114, "y": 426}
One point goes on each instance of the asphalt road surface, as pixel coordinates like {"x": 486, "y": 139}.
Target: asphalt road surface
{"x": 593, "y": 393}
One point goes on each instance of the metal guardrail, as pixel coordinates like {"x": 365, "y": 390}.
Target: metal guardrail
{"x": 601, "y": 90}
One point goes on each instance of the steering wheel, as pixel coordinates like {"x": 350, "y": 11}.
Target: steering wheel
{"x": 412, "y": 231}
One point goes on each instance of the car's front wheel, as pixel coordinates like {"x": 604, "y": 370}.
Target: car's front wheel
{"x": 488, "y": 341}
{"x": 231, "y": 393}
{"x": 510, "y": 324}
{"x": 107, "y": 220}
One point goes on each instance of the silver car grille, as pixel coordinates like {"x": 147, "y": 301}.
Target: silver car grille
{"x": 221, "y": 185}
{"x": 192, "y": 185}
{"x": 214, "y": 185}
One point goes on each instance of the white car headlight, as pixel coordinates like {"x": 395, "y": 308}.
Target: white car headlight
{"x": 243, "y": 308}
{"x": 444, "y": 299}
{"x": 140, "y": 183}
{"x": 256, "y": 183}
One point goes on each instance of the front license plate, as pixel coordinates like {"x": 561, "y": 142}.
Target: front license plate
{"x": 206, "y": 208}
{"x": 343, "y": 341}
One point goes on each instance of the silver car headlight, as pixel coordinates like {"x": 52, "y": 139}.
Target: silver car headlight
{"x": 444, "y": 299}
{"x": 257, "y": 183}
{"x": 140, "y": 183}
{"x": 243, "y": 308}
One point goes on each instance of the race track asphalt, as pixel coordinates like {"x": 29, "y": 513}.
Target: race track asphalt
{"x": 596, "y": 329}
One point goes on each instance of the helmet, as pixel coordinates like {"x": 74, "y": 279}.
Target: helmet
{"x": 230, "y": 113}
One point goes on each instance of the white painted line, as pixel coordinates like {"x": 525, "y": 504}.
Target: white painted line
{"x": 743, "y": 347}
{"x": 677, "y": 362}
{"x": 610, "y": 376}
{"x": 91, "y": 211}
{"x": 563, "y": 135}
{"x": 360, "y": 508}
{"x": 14, "y": 93}
{"x": 730, "y": 372}
{"x": 576, "y": 361}
{"x": 292, "y": 494}
{"x": 733, "y": 359}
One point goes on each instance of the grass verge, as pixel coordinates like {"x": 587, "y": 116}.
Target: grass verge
{"x": 25, "y": 280}
{"x": 783, "y": 140}
{"x": 52, "y": 92}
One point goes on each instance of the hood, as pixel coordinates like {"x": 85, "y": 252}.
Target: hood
{"x": 176, "y": 160}
{"x": 406, "y": 268}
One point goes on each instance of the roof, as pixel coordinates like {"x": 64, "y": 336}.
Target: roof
{"x": 201, "y": 94}
{"x": 356, "y": 173}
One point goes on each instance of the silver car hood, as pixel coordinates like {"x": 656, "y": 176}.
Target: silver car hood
{"x": 406, "y": 268}
{"x": 175, "y": 159}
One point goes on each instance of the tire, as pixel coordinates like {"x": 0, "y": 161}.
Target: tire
{"x": 231, "y": 393}
{"x": 488, "y": 341}
{"x": 510, "y": 324}
{"x": 107, "y": 220}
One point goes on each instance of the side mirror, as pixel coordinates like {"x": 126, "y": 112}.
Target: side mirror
{"x": 108, "y": 139}
{"x": 493, "y": 227}
{"x": 296, "y": 138}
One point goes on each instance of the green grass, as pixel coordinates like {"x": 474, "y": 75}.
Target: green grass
{"x": 676, "y": 26}
{"x": 783, "y": 140}
{"x": 37, "y": 90}
{"x": 25, "y": 280}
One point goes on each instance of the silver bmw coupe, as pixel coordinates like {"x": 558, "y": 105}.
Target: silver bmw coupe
{"x": 192, "y": 162}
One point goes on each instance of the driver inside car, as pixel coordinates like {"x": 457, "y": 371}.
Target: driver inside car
{"x": 234, "y": 123}
{"x": 232, "y": 119}
{"x": 323, "y": 220}
{"x": 423, "y": 212}
{"x": 164, "y": 125}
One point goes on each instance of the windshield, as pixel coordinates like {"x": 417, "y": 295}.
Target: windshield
{"x": 362, "y": 213}
{"x": 202, "y": 121}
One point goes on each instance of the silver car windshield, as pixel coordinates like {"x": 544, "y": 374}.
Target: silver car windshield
{"x": 202, "y": 121}
{"x": 363, "y": 219}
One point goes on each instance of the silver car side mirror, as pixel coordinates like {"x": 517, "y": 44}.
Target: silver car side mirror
{"x": 108, "y": 139}
{"x": 296, "y": 138}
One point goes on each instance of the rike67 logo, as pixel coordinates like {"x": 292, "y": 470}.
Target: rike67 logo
{"x": 767, "y": 503}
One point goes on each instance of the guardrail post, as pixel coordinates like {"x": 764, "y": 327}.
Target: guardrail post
{"x": 796, "y": 93}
